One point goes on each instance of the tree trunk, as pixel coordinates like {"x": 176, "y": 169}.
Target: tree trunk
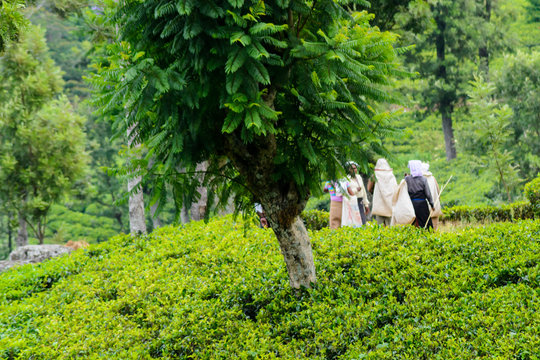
{"x": 137, "y": 222}
{"x": 445, "y": 101}
{"x": 483, "y": 51}
{"x": 198, "y": 209}
{"x": 22, "y": 232}
{"x": 184, "y": 214}
{"x": 282, "y": 205}
{"x": 296, "y": 250}
{"x": 450, "y": 145}
{"x": 40, "y": 233}
{"x": 10, "y": 240}
{"x": 282, "y": 201}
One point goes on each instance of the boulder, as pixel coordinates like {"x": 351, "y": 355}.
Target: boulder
{"x": 33, "y": 254}
{"x": 37, "y": 253}
{"x": 6, "y": 264}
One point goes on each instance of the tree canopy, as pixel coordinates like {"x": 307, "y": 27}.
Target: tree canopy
{"x": 274, "y": 94}
{"x": 41, "y": 139}
{"x": 11, "y": 21}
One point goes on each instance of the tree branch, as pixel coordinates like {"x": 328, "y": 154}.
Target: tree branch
{"x": 300, "y": 28}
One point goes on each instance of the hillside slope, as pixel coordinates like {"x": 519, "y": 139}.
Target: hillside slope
{"x": 215, "y": 291}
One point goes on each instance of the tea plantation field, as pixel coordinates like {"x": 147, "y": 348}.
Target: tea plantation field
{"x": 220, "y": 291}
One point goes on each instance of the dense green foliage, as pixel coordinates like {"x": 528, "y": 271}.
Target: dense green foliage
{"x": 214, "y": 291}
{"x": 11, "y": 21}
{"x": 486, "y": 138}
{"x": 68, "y": 44}
{"x": 41, "y": 138}
{"x": 489, "y": 214}
{"x": 512, "y": 46}
{"x": 65, "y": 224}
{"x": 532, "y": 192}
{"x": 300, "y": 80}
{"x": 315, "y": 219}
{"x": 518, "y": 85}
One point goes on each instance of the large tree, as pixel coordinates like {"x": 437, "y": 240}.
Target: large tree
{"x": 518, "y": 85}
{"x": 459, "y": 40}
{"x": 274, "y": 95}
{"x": 11, "y": 21}
{"x": 41, "y": 139}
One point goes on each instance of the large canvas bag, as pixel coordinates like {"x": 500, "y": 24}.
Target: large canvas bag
{"x": 351, "y": 214}
{"x": 385, "y": 187}
{"x": 402, "y": 207}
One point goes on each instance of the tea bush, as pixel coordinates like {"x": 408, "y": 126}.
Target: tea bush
{"x": 315, "y": 219}
{"x": 65, "y": 224}
{"x": 486, "y": 213}
{"x": 220, "y": 291}
{"x": 532, "y": 192}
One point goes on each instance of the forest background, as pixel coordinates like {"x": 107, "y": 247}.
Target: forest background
{"x": 471, "y": 109}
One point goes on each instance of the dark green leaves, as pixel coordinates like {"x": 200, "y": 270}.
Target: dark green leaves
{"x": 258, "y": 72}
{"x": 233, "y": 82}
{"x": 236, "y": 3}
{"x": 235, "y": 59}
{"x": 232, "y": 69}
{"x": 240, "y": 37}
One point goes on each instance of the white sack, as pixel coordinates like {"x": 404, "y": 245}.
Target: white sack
{"x": 384, "y": 190}
{"x": 351, "y": 214}
{"x": 402, "y": 207}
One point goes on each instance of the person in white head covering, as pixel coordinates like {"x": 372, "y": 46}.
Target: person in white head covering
{"x": 384, "y": 189}
{"x": 419, "y": 193}
{"x": 435, "y": 192}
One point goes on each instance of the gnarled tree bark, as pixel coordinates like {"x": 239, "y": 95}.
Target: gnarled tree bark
{"x": 282, "y": 201}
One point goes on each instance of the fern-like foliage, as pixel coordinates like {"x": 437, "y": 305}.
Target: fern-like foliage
{"x": 231, "y": 81}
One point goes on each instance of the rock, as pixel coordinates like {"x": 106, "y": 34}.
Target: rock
{"x": 37, "y": 253}
{"x": 6, "y": 264}
{"x": 33, "y": 254}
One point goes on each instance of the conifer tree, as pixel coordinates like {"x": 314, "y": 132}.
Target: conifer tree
{"x": 274, "y": 95}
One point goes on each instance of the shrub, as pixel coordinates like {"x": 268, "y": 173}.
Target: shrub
{"x": 318, "y": 203}
{"x": 213, "y": 291}
{"x": 532, "y": 192}
{"x": 64, "y": 224}
{"x": 315, "y": 219}
{"x": 486, "y": 213}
